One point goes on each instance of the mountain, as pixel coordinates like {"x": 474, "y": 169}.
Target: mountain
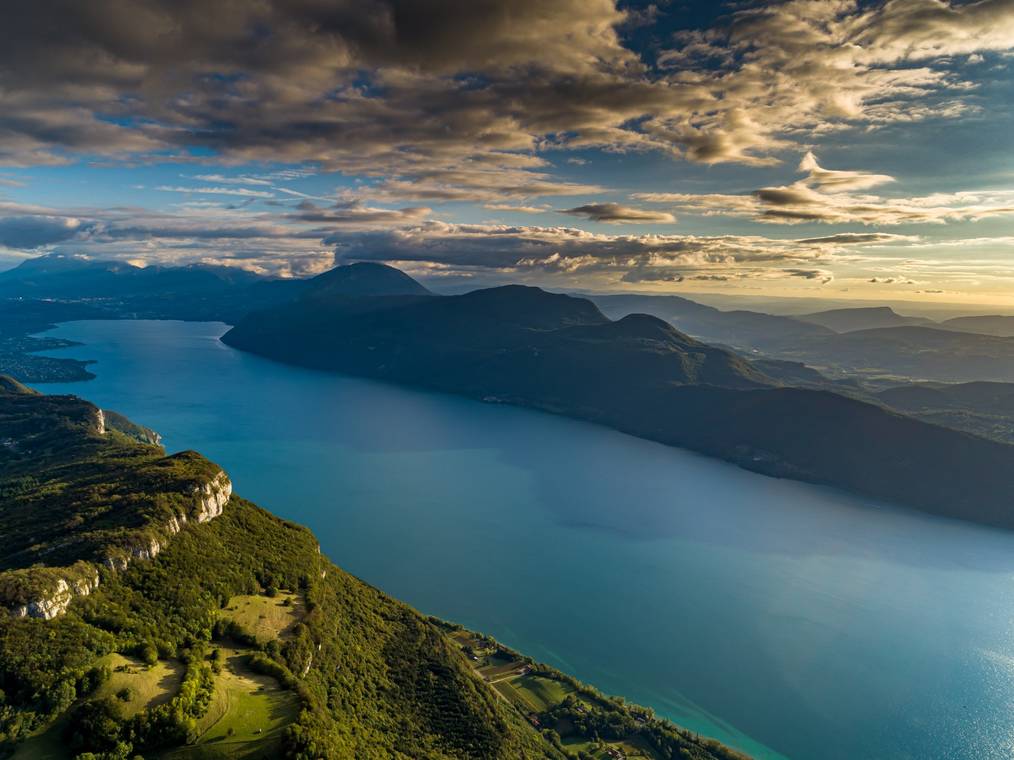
{"x": 146, "y": 609}
{"x": 363, "y": 279}
{"x": 507, "y": 342}
{"x": 750, "y": 330}
{"x": 1002, "y": 326}
{"x": 987, "y": 398}
{"x": 866, "y": 318}
{"x": 54, "y": 288}
{"x": 641, "y": 376}
{"x": 63, "y": 276}
{"x": 118, "y": 289}
{"x": 195, "y": 292}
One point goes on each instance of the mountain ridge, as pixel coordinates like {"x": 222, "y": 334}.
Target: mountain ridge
{"x": 643, "y": 377}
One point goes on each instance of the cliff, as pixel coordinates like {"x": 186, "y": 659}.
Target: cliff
{"x": 62, "y": 466}
{"x": 46, "y": 592}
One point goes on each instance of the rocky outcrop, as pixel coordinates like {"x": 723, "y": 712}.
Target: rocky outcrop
{"x": 55, "y": 602}
{"x": 212, "y": 497}
{"x": 208, "y": 502}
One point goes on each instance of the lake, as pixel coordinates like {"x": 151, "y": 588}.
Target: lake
{"x": 785, "y": 619}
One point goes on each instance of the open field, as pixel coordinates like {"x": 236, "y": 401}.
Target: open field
{"x": 264, "y": 616}
{"x": 549, "y": 699}
{"x": 601, "y": 751}
{"x": 246, "y": 717}
{"x": 147, "y": 687}
{"x": 541, "y": 692}
{"x": 46, "y": 744}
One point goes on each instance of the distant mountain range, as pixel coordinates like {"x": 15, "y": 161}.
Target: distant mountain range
{"x": 852, "y": 352}
{"x": 640, "y": 375}
{"x": 748, "y": 330}
{"x": 196, "y": 292}
{"x": 871, "y": 342}
{"x": 993, "y": 324}
{"x": 911, "y": 352}
{"x": 869, "y": 318}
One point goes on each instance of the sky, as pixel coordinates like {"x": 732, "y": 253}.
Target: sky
{"x": 822, "y": 148}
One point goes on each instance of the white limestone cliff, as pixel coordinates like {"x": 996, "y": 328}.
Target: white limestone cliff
{"x": 55, "y": 603}
{"x": 212, "y": 497}
{"x": 209, "y": 501}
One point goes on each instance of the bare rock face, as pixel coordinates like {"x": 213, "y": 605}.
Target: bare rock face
{"x": 212, "y": 497}
{"x": 55, "y": 603}
{"x": 147, "y": 550}
{"x": 117, "y": 563}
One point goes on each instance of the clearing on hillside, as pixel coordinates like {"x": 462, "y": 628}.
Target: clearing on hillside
{"x": 146, "y": 686}
{"x": 266, "y": 617}
{"x": 540, "y": 692}
{"x": 247, "y": 715}
{"x": 634, "y": 750}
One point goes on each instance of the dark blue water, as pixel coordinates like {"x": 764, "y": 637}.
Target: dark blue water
{"x": 785, "y": 619}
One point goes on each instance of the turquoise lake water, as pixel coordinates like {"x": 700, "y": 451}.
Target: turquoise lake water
{"x": 785, "y": 619}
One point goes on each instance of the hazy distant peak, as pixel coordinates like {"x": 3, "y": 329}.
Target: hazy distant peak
{"x": 861, "y": 318}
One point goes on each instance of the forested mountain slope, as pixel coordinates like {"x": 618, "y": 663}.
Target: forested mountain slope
{"x": 640, "y": 375}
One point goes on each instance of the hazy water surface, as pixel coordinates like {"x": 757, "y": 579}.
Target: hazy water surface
{"x": 785, "y": 619}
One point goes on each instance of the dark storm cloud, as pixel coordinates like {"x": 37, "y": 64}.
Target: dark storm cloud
{"x": 401, "y": 90}
{"x": 860, "y": 238}
{"x": 356, "y": 213}
{"x": 30, "y": 232}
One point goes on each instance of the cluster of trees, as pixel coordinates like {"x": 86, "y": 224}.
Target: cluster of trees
{"x": 98, "y": 726}
{"x": 589, "y": 713}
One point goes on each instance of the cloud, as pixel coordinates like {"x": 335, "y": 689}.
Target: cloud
{"x": 614, "y": 213}
{"x": 892, "y": 281}
{"x": 35, "y": 231}
{"x": 242, "y": 192}
{"x": 810, "y": 274}
{"x": 356, "y": 213}
{"x": 226, "y": 180}
{"x": 863, "y": 238}
{"x": 920, "y": 29}
{"x": 516, "y": 209}
{"x": 479, "y": 183}
{"x": 451, "y": 100}
{"x": 293, "y": 241}
{"x": 823, "y": 196}
{"x": 832, "y": 181}
{"x": 531, "y": 253}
